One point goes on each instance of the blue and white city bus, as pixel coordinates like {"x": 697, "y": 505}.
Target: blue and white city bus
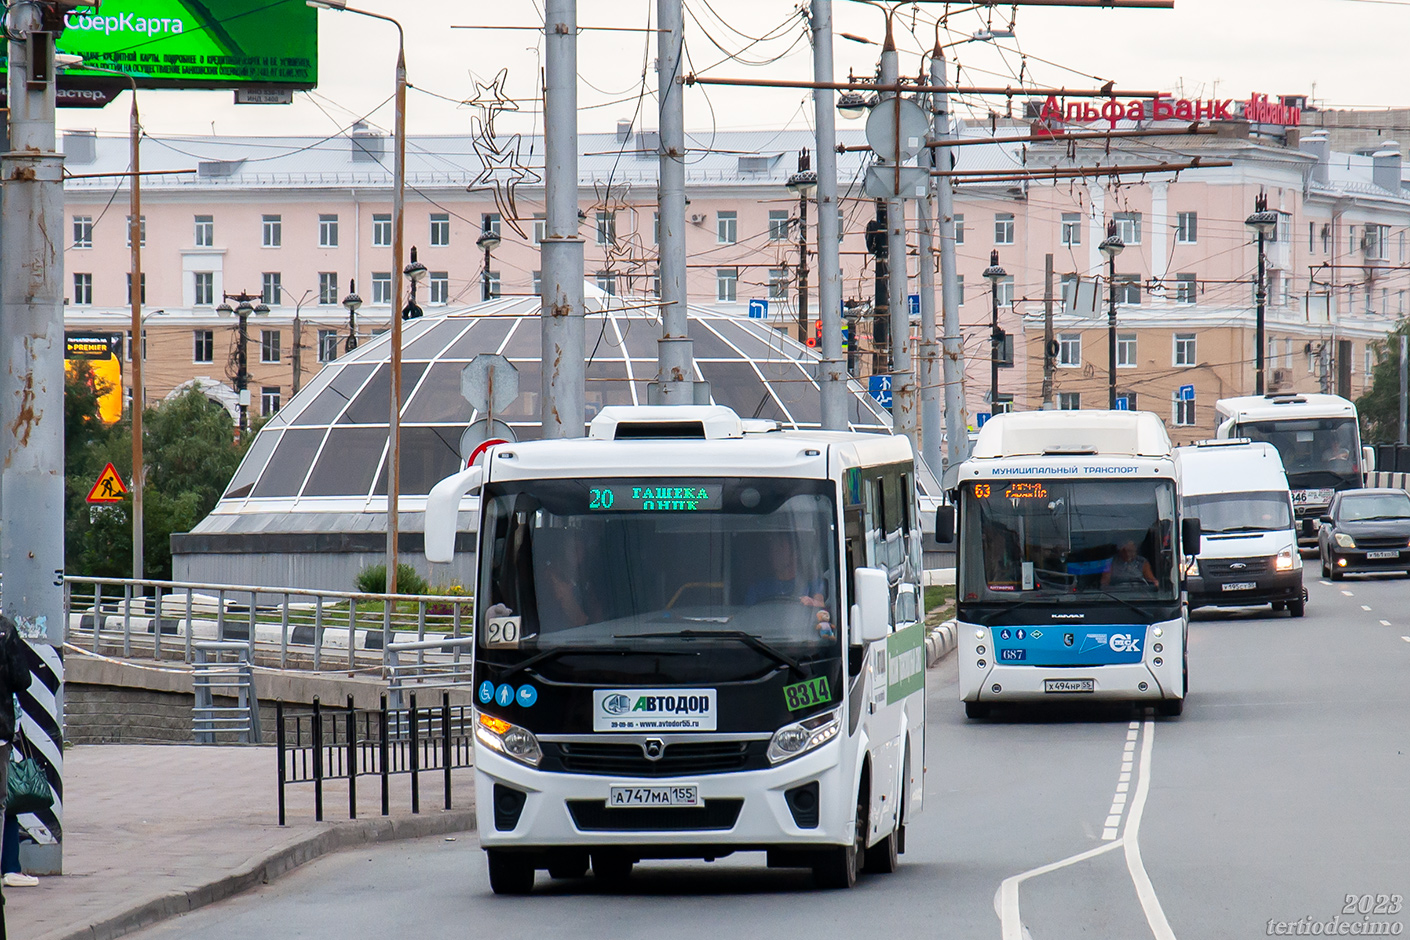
{"x": 1069, "y": 576}
{"x": 695, "y": 635}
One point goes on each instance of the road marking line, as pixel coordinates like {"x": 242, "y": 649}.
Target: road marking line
{"x": 1109, "y": 834}
{"x": 1119, "y": 799}
{"x": 1364, "y": 607}
{"x": 1130, "y": 746}
{"x": 1385, "y": 623}
{"x": 1006, "y": 901}
{"x": 1125, "y": 777}
{"x": 1126, "y": 766}
{"x": 1123, "y": 786}
{"x": 1348, "y": 594}
{"x": 1134, "y": 726}
{"x": 1406, "y": 639}
{"x": 1131, "y": 735}
{"x": 1328, "y": 583}
{"x": 1145, "y": 891}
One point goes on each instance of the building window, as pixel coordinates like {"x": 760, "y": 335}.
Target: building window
{"x": 1003, "y": 405}
{"x": 205, "y": 231}
{"x": 83, "y": 231}
{"x": 655, "y": 228}
{"x": 778, "y": 225}
{"x": 328, "y": 288}
{"x": 959, "y": 287}
{"x": 607, "y": 283}
{"x": 1126, "y": 350}
{"x": 1376, "y": 241}
{"x": 1369, "y": 361}
{"x": 489, "y": 222}
{"x": 1072, "y": 228}
{"x": 1285, "y": 228}
{"x": 272, "y": 231}
{"x": 1069, "y": 349}
{"x": 327, "y": 231}
{"x": 1003, "y": 228}
{"x": 1128, "y": 288}
{"x": 142, "y": 234}
{"x": 382, "y": 230}
{"x": 1184, "y": 354}
{"x": 606, "y": 228}
{"x": 1128, "y": 227}
{"x": 439, "y": 290}
{"x": 327, "y": 345}
{"x": 778, "y": 283}
{"x": 1186, "y": 288}
{"x": 1069, "y": 401}
{"x": 268, "y": 400}
{"x": 381, "y": 287}
{"x": 440, "y": 229}
{"x": 1004, "y": 351}
{"x": 1186, "y": 228}
{"x": 841, "y": 226}
{"x": 540, "y": 228}
{"x": 203, "y": 288}
{"x": 726, "y": 285}
{"x": 656, "y": 283}
{"x": 271, "y": 287}
{"x": 1005, "y": 289}
{"x": 1182, "y": 412}
{"x": 203, "y": 346}
{"x": 268, "y": 345}
{"x": 538, "y": 283}
{"x": 128, "y": 334}
{"x": 726, "y": 228}
{"x": 959, "y": 228}
{"x": 143, "y": 291}
{"x": 83, "y": 289}
{"x": 490, "y": 286}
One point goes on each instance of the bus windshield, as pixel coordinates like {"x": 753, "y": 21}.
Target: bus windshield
{"x": 659, "y": 566}
{"x": 1084, "y": 537}
{"x": 1316, "y": 452}
{"x": 1220, "y": 513}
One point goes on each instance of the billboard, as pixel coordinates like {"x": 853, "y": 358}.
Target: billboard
{"x": 103, "y": 353}
{"x": 193, "y": 44}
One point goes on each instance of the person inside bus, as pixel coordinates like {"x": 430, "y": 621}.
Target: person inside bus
{"x": 1338, "y": 456}
{"x": 782, "y": 579}
{"x": 1128, "y": 567}
{"x": 566, "y": 586}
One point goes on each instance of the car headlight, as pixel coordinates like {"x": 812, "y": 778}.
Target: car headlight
{"x": 1343, "y": 540}
{"x": 799, "y": 738}
{"x": 1189, "y": 567}
{"x": 1284, "y": 561}
{"x": 508, "y": 739}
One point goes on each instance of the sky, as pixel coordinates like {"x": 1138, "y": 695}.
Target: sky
{"x": 1344, "y": 53}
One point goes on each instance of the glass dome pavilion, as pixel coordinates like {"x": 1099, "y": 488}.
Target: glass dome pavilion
{"x": 307, "y": 507}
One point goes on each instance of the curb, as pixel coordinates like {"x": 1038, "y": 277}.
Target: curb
{"x": 266, "y": 867}
{"x": 940, "y": 642}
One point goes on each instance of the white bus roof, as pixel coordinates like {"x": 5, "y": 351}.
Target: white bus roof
{"x": 1273, "y": 407}
{"x": 1232, "y": 466}
{"x": 1072, "y": 433}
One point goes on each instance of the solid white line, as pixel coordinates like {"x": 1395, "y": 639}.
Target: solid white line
{"x": 1006, "y": 903}
{"x": 1145, "y": 891}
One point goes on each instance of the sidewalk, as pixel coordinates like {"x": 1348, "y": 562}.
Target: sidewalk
{"x": 153, "y": 831}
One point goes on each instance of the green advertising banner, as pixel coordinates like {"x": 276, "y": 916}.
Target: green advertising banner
{"x": 905, "y": 662}
{"x": 194, "y": 43}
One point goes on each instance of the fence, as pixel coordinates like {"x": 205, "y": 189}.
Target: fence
{"x": 336, "y": 743}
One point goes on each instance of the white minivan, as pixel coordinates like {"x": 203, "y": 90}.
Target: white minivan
{"x": 1248, "y": 547}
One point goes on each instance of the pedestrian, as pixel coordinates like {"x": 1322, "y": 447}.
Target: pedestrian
{"x": 14, "y": 678}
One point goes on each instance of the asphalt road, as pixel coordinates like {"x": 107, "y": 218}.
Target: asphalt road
{"x": 1279, "y": 798}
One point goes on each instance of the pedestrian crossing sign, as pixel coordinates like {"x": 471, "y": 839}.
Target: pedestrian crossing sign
{"x": 109, "y": 488}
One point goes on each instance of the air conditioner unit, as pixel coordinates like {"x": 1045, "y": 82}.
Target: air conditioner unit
{"x": 697, "y": 219}
{"x": 1281, "y": 376}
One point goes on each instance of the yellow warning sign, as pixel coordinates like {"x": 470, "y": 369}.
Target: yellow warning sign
{"x": 109, "y": 488}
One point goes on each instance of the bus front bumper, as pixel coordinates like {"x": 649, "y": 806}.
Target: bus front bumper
{"x": 1159, "y": 675}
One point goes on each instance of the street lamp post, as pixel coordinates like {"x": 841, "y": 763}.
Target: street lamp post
{"x": 398, "y": 254}
{"x": 1111, "y": 246}
{"x": 1264, "y": 223}
{"x": 803, "y": 183}
{"x": 242, "y": 310}
{"x": 296, "y": 353}
{"x": 415, "y": 272}
{"x": 352, "y": 302}
{"x": 994, "y": 274}
{"x": 487, "y": 242}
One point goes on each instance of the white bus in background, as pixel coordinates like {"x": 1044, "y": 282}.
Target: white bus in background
{"x": 1318, "y": 439}
{"x": 1248, "y": 555}
{"x": 1069, "y": 576}
{"x": 695, "y": 635}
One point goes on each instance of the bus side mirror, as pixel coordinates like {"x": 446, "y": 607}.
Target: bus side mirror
{"x": 944, "y": 524}
{"x": 873, "y": 605}
{"x": 443, "y": 512}
{"x": 1368, "y": 460}
{"x": 1189, "y": 536}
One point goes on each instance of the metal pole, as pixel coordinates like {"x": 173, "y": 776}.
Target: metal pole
{"x": 903, "y": 380}
{"x": 242, "y": 379}
{"x": 675, "y": 377}
{"x": 139, "y": 393}
{"x": 298, "y": 347}
{"x": 881, "y": 310}
{"x": 562, "y": 376}
{"x": 1048, "y": 331}
{"x": 832, "y": 381}
{"x": 1404, "y": 425}
{"x": 1111, "y": 335}
{"x": 994, "y": 349}
{"x": 956, "y": 407}
{"x": 929, "y": 366}
{"x": 485, "y": 278}
{"x": 398, "y": 262}
{"x": 803, "y": 256}
{"x": 1258, "y": 339}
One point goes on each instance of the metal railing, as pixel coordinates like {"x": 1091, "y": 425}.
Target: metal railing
{"x": 334, "y": 743}
{"x": 287, "y": 628}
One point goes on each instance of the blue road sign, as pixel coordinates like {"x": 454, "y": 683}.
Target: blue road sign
{"x": 981, "y": 418}
{"x": 1187, "y": 393}
{"x": 758, "y": 309}
{"x": 879, "y": 387}
{"x": 913, "y": 305}
{"x": 1123, "y": 403}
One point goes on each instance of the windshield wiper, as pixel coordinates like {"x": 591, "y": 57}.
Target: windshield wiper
{"x": 748, "y": 639}
{"x": 554, "y": 652}
{"x": 1240, "y": 528}
{"x": 1377, "y": 518}
{"x": 1121, "y": 600}
{"x": 986, "y": 621}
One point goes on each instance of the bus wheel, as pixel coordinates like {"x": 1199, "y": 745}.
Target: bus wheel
{"x": 510, "y": 873}
{"x": 610, "y": 868}
{"x": 1171, "y": 707}
{"x": 976, "y": 709}
{"x": 567, "y": 863}
{"x": 839, "y": 867}
{"x": 884, "y": 857}
{"x": 1298, "y": 607}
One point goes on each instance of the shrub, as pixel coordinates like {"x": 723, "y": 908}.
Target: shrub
{"x": 373, "y": 580}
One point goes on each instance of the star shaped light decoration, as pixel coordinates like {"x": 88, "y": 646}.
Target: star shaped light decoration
{"x": 502, "y": 171}
{"x": 491, "y": 99}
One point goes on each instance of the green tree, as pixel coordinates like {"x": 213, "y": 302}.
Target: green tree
{"x": 1380, "y": 406}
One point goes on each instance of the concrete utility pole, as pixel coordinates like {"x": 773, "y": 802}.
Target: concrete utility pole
{"x": 675, "y": 375}
{"x": 832, "y": 382}
{"x": 139, "y": 345}
{"x": 903, "y": 380}
{"x": 1404, "y": 425}
{"x": 1048, "y": 331}
{"x": 32, "y": 396}
{"x": 929, "y": 367}
{"x": 880, "y": 309}
{"x": 563, "y": 411}
{"x": 398, "y": 260}
{"x": 804, "y": 167}
{"x": 952, "y": 346}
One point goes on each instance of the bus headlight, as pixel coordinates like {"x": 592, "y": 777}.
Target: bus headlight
{"x": 509, "y": 740}
{"x": 799, "y": 738}
{"x": 1284, "y": 561}
{"x": 1343, "y": 540}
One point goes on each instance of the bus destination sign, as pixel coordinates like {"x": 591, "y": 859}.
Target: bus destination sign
{"x": 672, "y": 496}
